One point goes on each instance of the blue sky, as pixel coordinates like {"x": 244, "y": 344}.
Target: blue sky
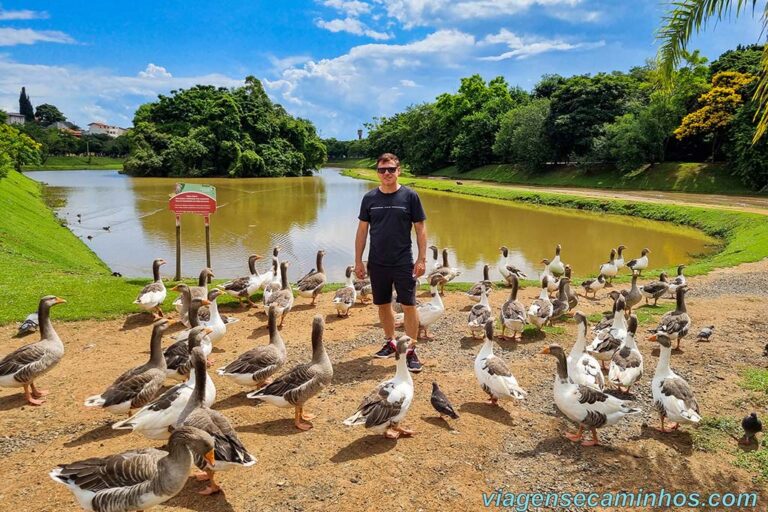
{"x": 336, "y": 62}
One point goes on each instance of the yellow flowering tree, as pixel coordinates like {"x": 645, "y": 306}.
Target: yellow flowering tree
{"x": 16, "y": 149}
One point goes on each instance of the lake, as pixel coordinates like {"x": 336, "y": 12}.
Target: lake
{"x": 303, "y": 215}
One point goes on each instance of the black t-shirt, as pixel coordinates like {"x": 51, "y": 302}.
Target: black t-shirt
{"x": 390, "y": 217}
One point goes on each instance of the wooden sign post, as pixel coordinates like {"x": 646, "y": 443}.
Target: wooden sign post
{"x": 193, "y": 198}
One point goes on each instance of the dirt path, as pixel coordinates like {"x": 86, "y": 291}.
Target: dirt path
{"x": 752, "y": 204}
{"x": 447, "y": 466}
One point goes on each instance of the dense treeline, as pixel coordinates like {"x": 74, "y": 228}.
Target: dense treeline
{"x": 623, "y": 119}
{"x": 207, "y": 130}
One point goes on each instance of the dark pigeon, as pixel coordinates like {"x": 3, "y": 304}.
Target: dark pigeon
{"x": 706, "y": 333}
{"x": 441, "y": 404}
{"x": 751, "y": 425}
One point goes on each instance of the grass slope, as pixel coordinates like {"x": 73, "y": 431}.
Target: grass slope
{"x": 352, "y": 163}
{"x": 744, "y": 235}
{"x": 692, "y": 177}
{"x": 67, "y": 163}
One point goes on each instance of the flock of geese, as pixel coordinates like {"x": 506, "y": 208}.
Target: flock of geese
{"x": 200, "y": 436}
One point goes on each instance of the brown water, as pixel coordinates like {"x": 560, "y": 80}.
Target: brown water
{"x": 306, "y": 214}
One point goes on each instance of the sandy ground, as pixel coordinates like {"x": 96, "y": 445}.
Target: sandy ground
{"x": 518, "y": 446}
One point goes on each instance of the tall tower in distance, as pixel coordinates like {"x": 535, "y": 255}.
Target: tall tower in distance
{"x": 360, "y": 134}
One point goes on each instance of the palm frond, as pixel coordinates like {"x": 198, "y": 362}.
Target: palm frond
{"x": 761, "y": 93}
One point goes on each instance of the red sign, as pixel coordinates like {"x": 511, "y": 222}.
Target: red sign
{"x": 200, "y": 199}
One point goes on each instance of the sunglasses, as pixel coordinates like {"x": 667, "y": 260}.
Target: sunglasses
{"x": 390, "y": 170}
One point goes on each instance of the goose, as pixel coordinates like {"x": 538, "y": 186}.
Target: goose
{"x": 479, "y": 314}
{"x": 303, "y": 382}
{"x": 435, "y": 257}
{"x": 512, "y": 314}
{"x": 445, "y": 272}
{"x": 626, "y": 365}
{"x": 363, "y": 288}
{"x": 135, "y": 479}
{"x": 492, "y": 373}
{"x": 213, "y": 320}
{"x": 609, "y": 270}
{"x": 273, "y": 274}
{"x": 593, "y": 285}
{"x": 152, "y": 295}
{"x": 556, "y": 267}
{"x": 583, "y": 368}
{"x": 26, "y": 364}
{"x": 313, "y": 282}
{"x": 397, "y": 308}
{"x": 675, "y": 324}
{"x": 177, "y": 355}
{"x": 474, "y": 292}
{"x": 620, "y": 257}
{"x": 633, "y": 296}
{"x": 641, "y": 263}
{"x": 678, "y": 281}
{"x": 573, "y": 298}
{"x": 345, "y": 296}
{"x": 672, "y": 395}
{"x": 655, "y": 289}
{"x": 540, "y": 310}
{"x": 283, "y": 298}
{"x": 587, "y": 406}
{"x": 608, "y": 341}
{"x": 553, "y": 283}
{"x": 256, "y": 366}
{"x": 29, "y": 325}
{"x": 274, "y": 285}
{"x": 243, "y": 287}
{"x": 386, "y": 406}
{"x": 138, "y": 386}
{"x": 506, "y": 269}
{"x": 152, "y": 420}
{"x": 229, "y": 451}
{"x": 201, "y": 291}
{"x": 560, "y": 306}
{"x": 429, "y": 312}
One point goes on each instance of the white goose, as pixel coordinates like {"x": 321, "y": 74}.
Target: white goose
{"x": 620, "y": 257}
{"x": 243, "y": 287}
{"x": 215, "y": 322}
{"x": 609, "y": 269}
{"x": 429, "y": 312}
{"x": 513, "y": 315}
{"x": 641, "y": 263}
{"x": 385, "y": 407}
{"x": 151, "y": 297}
{"x": 608, "y": 341}
{"x": 553, "y": 283}
{"x": 589, "y": 407}
{"x": 506, "y": 269}
{"x": 479, "y": 314}
{"x": 626, "y": 366}
{"x": 346, "y": 296}
{"x": 672, "y": 395}
{"x": 540, "y": 311}
{"x": 492, "y": 373}
{"x": 583, "y": 368}
{"x": 556, "y": 267}
{"x": 678, "y": 281}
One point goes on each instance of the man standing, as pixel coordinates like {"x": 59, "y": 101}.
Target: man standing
{"x": 389, "y": 211}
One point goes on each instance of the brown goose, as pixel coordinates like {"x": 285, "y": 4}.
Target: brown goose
{"x": 152, "y": 295}
{"x": 655, "y": 289}
{"x": 301, "y": 383}
{"x": 228, "y": 449}
{"x": 363, "y": 288}
{"x": 506, "y": 269}
{"x": 345, "y": 297}
{"x": 573, "y": 298}
{"x": 201, "y": 291}
{"x": 138, "y": 386}
{"x": 474, "y": 292}
{"x": 313, "y": 282}
{"x": 136, "y": 479}
{"x": 445, "y": 272}
{"x": 283, "y": 298}
{"x": 177, "y": 355}
{"x": 255, "y": 367}
{"x": 632, "y": 296}
{"x": 26, "y": 364}
{"x": 675, "y": 324}
{"x": 513, "y": 315}
{"x": 243, "y": 287}
{"x": 560, "y": 305}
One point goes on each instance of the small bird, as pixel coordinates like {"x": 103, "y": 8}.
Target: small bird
{"x": 117, "y": 274}
{"x": 459, "y": 182}
{"x": 89, "y": 237}
{"x": 751, "y": 425}
{"x": 706, "y": 333}
{"x": 28, "y": 326}
{"x": 105, "y": 228}
{"x": 441, "y": 404}
{"x": 765, "y": 350}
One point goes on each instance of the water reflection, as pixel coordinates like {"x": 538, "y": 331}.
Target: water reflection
{"x": 304, "y": 214}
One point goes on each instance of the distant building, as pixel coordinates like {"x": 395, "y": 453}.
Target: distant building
{"x": 15, "y": 118}
{"x": 101, "y": 128}
{"x": 67, "y": 127}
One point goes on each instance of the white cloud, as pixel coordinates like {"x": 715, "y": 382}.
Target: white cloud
{"x": 153, "y": 71}
{"x": 22, "y": 15}
{"x": 413, "y": 13}
{"x": 522, "y": 47}
{"x": 577, "y": 15}
{"x": 407, "y": 83}
{"x": 353, "y": 26}
{"x": 350, "y": 8}
{"x": 86, "y": 94}
{"x": 16, "y": 36}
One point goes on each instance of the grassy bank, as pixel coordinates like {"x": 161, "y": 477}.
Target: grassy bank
{"x": 352, "y": 163}
{"x": 691, "y": 177}
{"x": 744, "y": 235}
{"x": 68, "y": 163}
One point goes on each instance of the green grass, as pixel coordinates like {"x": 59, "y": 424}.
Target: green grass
{"x": 353, "y": 163}
{"x": 68, "y": 163}
{"x": 714, "y": 433}
{"x": 755, "y": 379}
{"x": 743, "y": 236}
{"x": 695, "y": 177}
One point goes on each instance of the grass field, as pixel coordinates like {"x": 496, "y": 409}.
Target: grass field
{"x": 68, "y": 163}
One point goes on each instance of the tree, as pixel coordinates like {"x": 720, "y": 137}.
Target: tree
{"x": 47, "y": 114}
{"x": 718, "y": 105}
{"x": 687, "y": 17}
{"x": 521, "y": 138}
{"x": 747, "y": 160}
{"x": 3, "y": 117}
{"x": 16, "y": 149}
{"x": 744, "y": 59}
{"x": 25, "y": 106}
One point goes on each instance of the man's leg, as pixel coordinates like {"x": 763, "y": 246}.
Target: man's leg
{"x": 411, "y": 322}
{"x": 405, "y": 286}
{"x": 381, "y": 288}
{"x": 387, "y": 317}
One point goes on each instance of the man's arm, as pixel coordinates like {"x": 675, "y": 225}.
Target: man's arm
{"x": 360, "y": 238}
{"x": 421, "y": 242}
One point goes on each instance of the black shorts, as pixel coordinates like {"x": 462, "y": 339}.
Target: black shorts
{"x": 383, "y": 278}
